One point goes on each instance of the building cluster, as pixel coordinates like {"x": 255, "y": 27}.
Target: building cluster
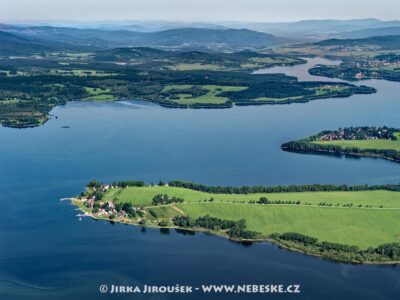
{"x": 360, "y": 133}
{"x": 381, "y": 63}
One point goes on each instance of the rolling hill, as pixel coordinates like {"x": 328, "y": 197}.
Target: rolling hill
{"x": 389, "y": 42}
{"x": 204, "y": 37}
{"x": 358, "y": 34}
{"x": 11, "y": 44}
{"x": 178, "y": 37}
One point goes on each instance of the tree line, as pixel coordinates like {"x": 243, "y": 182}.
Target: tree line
{"x": 385, "y": 252}
{"x": 303, "y": 146}
{"x": 234, "y": 229}
{"x": 127, "y": 183}
{"x": 165, "y": 199}
{"x": 279, "y": 188}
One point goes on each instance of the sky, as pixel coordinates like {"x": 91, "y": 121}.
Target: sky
{"x": 197, "y": 10}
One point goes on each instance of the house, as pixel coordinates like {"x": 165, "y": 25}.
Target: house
{"x": 359, "y": 75}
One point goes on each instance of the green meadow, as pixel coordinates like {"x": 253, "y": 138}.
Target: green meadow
{"x": 360, "y": 218}
{"x": 381, "y": 144}
{"x": 212, "y": 96}
{"x": 98, "y": 94}
{"x": 320, "y": 91}
{"x": 351, "y": 226}
{"x": 273, "y": 60}
{"x": 142, "y": 196}
{"x": 196, "y": 67}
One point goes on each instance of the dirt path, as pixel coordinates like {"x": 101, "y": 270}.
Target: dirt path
{"x": 178, "y": 210}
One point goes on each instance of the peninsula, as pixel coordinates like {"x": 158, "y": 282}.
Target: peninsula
{"x": 380, "y": 142}
{"x": 357, "y": 224}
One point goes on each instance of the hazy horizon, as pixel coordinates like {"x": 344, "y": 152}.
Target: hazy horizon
{"x": 208, "y": 11}
{"x": 105, "y": 21}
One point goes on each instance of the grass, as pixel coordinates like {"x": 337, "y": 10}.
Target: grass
{"x": 273, "y": 60}
{"x": 103, "y": 97}
{"x": 250, "y": 65}
{"x": 196, "y": 67}
{"x": 96, "y": 91}
{"x": 352, "y": 226}
{"x": 98, "y": 94}
{"x": 373, "y": 218}
{"x": 382, "y": 144}
{"x": 71, "y": 54}
{"x": 257, "y": 62}
{"x": 81, "y": 73}
{"x": 211, "y": 97}
{"x": 176, "y": 87}
{"x": 9, "y": 101}
{"x": 279, "y": 99}
{"x": 142, "y": 196}
{"x": 11, "y": 74}
{"x": 328, "y": 89}
{"x": 318, "y": 91}
{"x": 163, "y": 212}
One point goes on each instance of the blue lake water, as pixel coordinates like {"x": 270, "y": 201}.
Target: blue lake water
{"x": 47, "y": 253}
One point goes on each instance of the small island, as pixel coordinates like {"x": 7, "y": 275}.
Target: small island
{"x": 354, "y": 224}
{"x": 380, "y": 142}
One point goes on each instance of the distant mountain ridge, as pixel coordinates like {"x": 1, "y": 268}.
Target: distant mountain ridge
{"x": 178, "y": 37}
{"x": 370, "y": 32}
{"x": 384, "y": 42}
{"x": 315, "y": 29}
{"x": 11, "y": 44}
{"x": 202, "y": 36}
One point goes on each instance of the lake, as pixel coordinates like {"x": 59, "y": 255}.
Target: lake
{"x": 46, "y": 252}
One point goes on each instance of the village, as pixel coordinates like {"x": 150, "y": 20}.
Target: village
{"x": 92, "y": 203}
{"x": 358, "y": 133}
{"x": 386, "y": 62}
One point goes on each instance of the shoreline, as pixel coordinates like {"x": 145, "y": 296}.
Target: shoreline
{"x": 338, "y": 154}
{"x": 281, "y": 244}
{"x": 386, "y": 145}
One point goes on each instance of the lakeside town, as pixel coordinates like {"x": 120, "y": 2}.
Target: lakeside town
{"x": 90, "y": 202}
{"x": 358, "y": 133}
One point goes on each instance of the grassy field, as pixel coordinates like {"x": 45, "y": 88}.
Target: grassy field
{"x": 81, "y": 73}
{"x": 10, "y": 101}
{"x": 210, "y": 98}
{"x": 176, "y": 87}
{"x": 352, "y": 226}
{"x": 13, "y": 74}
{"x": 328, "y": 89}
{"x": 360, "y": 218}
{"x": 98, "y": 94}
{"x": 273, "y": 60}
{"x": 163, "y": 212}
{"x": 196, "y": 67}
{"x": 279, "y": 99}
{"x": 367, "y": 144}
{"x": 318, "y": 91}
{"x": 264, "y": 62}
{"x": 142, "y": 196}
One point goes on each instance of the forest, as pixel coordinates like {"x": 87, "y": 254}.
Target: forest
{"x": 234, "y": 229}
{"x": 31, "y": 86}
{"x": 385, "y": 252}
{"x": 279, "y": 188}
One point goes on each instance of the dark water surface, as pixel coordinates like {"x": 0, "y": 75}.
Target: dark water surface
{"x": 47, "y": 253}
